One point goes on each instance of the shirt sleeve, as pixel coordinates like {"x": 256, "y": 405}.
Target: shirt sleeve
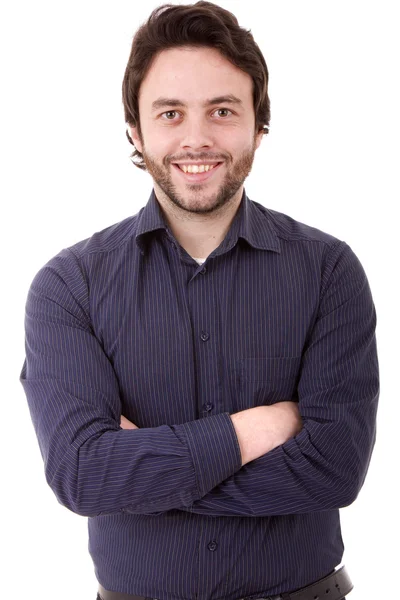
{"x": 92, "y": 465}
{"x": 325, "y": 465}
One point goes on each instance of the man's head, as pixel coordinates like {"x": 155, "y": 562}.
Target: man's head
{"x": 195, "y": 91}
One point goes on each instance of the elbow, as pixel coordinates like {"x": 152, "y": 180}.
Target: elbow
{"x": 354, "y": 480}
{"x": 69, "y": 500}
{"x": 67, "y": 496}
{"x": 349, "y": 495}
{"x": 72, "y": 492}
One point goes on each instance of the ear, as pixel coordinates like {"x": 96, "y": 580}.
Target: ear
{"x": 259, "y": 137}
{"x": 133, "y": 132}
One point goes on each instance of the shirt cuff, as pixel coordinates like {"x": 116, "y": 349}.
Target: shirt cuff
{"x": 215, "y": 450}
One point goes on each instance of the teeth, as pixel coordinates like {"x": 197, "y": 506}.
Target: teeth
{"x": 196, "y": 168}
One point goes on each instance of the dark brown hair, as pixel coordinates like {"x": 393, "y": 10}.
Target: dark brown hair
{"x": 203, "y": 24}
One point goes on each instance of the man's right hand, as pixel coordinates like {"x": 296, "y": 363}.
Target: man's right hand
{"x": 263, "y": 428}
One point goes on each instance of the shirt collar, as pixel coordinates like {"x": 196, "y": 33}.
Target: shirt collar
{"x": 251, "y": 223}
{"x": 255, "y": 226}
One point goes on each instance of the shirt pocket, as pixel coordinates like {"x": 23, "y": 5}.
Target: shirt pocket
{"x": 263, "y": 381}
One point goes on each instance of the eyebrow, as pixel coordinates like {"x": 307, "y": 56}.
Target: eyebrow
{"x": 175, "y": 102}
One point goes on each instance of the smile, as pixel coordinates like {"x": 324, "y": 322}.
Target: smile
{"x": 197, "y": 172}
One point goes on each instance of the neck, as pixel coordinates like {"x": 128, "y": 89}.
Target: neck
{"x": 198, "y": 233}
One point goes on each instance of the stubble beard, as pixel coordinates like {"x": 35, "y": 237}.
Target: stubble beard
{"x": 197, "y": 200}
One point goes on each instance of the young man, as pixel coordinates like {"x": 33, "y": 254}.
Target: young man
{"x": 202, "y": 377}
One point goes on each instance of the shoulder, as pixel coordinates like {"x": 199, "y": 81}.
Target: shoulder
{"x": 302, "y": 245}
{"x": 287, "y": 229}
{"x": 111, "y": 238}
{"x": 70, "y": 266}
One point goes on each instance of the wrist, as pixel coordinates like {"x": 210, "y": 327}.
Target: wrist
{"x": 246, "y": 424}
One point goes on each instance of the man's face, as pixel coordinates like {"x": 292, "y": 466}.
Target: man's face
{"x": 196, "y": 108}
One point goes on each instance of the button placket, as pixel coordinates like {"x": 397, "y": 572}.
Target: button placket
{"x": 204, "y": 309}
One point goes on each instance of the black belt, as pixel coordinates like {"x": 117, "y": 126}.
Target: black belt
{"x": 332, "y": 587}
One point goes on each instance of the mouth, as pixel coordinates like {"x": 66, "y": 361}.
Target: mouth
{"x": 197, "y": 177}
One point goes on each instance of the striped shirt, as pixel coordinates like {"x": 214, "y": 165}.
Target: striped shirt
{"x": 126, "y": 322}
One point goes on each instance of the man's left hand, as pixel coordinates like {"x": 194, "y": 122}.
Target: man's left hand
{"x": 126, "y": 424}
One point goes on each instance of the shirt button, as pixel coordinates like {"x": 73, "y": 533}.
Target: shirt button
{"x": 204, "y": 269}
{"x": 208, "y": 406}
{"x": 204, "y": 336}
{"x": 212, "y": 546}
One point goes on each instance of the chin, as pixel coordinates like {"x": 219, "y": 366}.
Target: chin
{"x": 205, "y": 206}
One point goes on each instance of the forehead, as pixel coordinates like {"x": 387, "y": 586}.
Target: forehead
{"x": 194, "y": 74}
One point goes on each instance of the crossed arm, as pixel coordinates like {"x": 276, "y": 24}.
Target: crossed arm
{"x": 319, "y": 459}
{"x": 260, "y": 429}
{"x": 261, "y": 461}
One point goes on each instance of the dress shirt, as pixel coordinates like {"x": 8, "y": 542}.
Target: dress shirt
{"x": 126, "y": 322}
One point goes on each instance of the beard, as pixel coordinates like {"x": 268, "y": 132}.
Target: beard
{"x": 195, "y": 198}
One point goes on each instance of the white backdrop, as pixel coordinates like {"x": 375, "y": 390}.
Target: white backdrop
{"x": 330, "y": 161}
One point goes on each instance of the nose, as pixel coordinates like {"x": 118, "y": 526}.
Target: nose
{"x": 196, "y": 134}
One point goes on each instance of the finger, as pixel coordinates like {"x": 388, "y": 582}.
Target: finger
{"x": 126, "y": 424}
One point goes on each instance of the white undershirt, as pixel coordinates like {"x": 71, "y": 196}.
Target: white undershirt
{"x": 199, "y": 260}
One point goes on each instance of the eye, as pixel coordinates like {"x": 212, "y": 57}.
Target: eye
{"x": 167, "y": 115}
{"x": 223, "y": 110}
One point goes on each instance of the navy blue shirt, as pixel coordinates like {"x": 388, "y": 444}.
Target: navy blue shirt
{"x": 127, "y": 322}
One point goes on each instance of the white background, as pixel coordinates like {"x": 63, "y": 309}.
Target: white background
{"x": 331, "y": 161}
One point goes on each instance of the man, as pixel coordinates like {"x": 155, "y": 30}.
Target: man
{"x": 202, "y": 377}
